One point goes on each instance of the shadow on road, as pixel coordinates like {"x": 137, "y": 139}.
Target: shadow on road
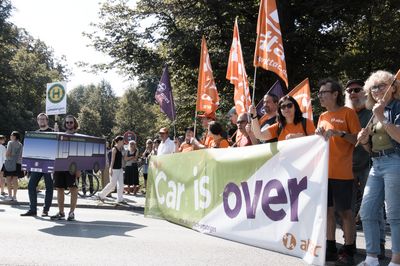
{"x": 93, "y": 229}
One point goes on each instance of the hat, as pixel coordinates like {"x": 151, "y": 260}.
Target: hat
{"x": 163, "y": 130}
{"x": 355, "y": 81}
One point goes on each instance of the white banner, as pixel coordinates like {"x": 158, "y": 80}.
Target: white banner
{"x": 282, "y": 206}
{"x": 272, "y": 196}
{"x": 56, "y": 98}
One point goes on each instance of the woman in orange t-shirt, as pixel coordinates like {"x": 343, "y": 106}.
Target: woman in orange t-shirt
{"x": 291, "y": 123}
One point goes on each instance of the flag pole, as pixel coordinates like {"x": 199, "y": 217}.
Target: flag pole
{"x": 254, "y": 87}
{"x": 384, "y": 96}
{"x": 195, "y": 122}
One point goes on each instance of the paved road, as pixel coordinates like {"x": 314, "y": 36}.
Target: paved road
{"x": 118, "y": 237}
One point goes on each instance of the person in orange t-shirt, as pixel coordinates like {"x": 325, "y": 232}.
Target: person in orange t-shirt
{"x": 339, "y": 125}
{"x": 188, "y": 145}
{"x": 206, "y": 138}
{"x": 215, "y": 130}
{"x": 291, "y": 123}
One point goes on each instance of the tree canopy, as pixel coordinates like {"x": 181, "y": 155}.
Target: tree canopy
{"x": 339, "y": 39}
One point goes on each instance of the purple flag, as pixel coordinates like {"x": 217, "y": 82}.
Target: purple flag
{"x": 164, "y": 96}
{"x": 275, "y": 89}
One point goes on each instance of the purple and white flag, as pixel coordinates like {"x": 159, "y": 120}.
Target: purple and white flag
{"x": 164, "y": 96}
{"x": 275, "y": 89}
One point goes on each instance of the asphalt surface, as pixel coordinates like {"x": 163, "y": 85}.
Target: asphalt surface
{"x": 118, "y": 222}
{"x": 134, "y": 203}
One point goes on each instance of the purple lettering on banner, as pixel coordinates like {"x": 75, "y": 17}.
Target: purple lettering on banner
{"x": 232, "y": 187}
{"x": 279, "y": 199}
{"x": 251, "y": 207}
{"x": 294, "y": 191}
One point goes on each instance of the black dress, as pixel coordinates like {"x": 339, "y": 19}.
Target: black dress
{"x": 131, "y": 172}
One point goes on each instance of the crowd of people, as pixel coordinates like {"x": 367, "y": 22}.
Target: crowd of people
{"x": 361, "y": 123}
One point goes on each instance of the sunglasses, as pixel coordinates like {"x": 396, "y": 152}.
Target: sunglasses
{"x": 323, "y": 93}
{"x": 284, "y": 106}
{"x": 355, "y": 90}
{"x": 69, "y": 122}
{"x": 378, "y": 87}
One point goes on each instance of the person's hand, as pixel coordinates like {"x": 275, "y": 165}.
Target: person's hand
{"x": 248, "y": 128}
{"x": 110, "y": 171}
{"x": 294, "y": 135}
{"x": 253, "y": 110}
{"x": 319, "y": 131}
{"x": 363, "y": 136}
{"x": 378, "y": 109}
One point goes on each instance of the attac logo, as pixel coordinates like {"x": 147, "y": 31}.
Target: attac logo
{"x": 56, "y": 93}
{"x": 289, "y": 241}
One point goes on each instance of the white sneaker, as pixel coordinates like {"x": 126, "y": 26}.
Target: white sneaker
{"x": 8, "y": 198}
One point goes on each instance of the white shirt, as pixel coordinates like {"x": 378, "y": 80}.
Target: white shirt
{"x": 2, "y": 155}
{"x": 166, "y": 147}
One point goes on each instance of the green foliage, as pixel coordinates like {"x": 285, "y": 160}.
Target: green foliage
{"x": 26, "y": 65}
{"x": 95, "y": 106}
{"x": 135, "y": 115}
{"x": 340, "y": 39}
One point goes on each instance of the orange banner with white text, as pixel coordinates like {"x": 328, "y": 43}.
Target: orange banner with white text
{"x": 207, "y": 94}
{"x": 269, "y": 53}
{"x": 302, "y": 94}
{"x": 236, "y": 73}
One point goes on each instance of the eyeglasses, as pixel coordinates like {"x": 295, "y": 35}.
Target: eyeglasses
{"x": 323, "y": 93}
{"x": 355, "y": 90}
{"x": 378, "y": 87}
{"x": 284, "y": 106}
{"x": 69, "y": 122}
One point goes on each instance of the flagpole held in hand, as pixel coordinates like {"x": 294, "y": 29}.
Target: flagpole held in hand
{"x": 384, "y": 96}
{"x": 254, "y": 87}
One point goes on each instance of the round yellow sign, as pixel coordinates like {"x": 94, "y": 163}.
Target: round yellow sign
{"x": 56, "y": 93}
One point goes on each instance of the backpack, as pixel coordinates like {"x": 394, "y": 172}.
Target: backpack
{"x": 303, "y": 123}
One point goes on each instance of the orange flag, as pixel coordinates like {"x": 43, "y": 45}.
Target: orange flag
{"x": 269, "y": 52}
{"x": 207, "y": 94}
{"x": 302, "y": 94}
{"x": 236, "y": 73}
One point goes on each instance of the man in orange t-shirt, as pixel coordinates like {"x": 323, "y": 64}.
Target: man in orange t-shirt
{"x": 340, "y": 126}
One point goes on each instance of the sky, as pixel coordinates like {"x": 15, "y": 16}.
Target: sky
{"x": 60, "y": 23}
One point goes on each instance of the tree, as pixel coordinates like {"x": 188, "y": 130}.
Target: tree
{"x": 135, "y": 115}
{"x": 89, "y": 121}
{"x": 100, "y": 100}
{"x": 26, "y": 65}
{"x": 321, "y": 38}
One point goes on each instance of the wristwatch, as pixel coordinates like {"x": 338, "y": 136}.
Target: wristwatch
{"x": 253, "y": 117}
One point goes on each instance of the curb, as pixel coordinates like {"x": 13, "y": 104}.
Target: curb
{"x": 83, "y": 206}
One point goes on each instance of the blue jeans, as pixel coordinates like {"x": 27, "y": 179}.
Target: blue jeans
{"x": 34, "y": 179}
{"x": 383, "y": 185}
